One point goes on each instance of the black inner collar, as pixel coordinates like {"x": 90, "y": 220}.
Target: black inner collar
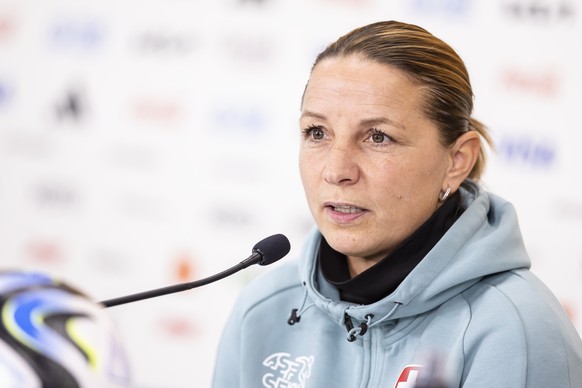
{"x": 384, "y": 277}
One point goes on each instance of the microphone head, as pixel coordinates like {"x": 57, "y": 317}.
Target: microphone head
{"x": 272, "y": 248}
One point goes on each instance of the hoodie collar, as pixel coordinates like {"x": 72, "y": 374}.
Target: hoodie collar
{"x": 485, "y": 240}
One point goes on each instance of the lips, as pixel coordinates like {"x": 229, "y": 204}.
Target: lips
{"x": 342, "y": 213}
{"x": 346, "y": 209}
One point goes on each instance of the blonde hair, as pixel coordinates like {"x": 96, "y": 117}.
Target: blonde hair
{"x": 432, "y": 63}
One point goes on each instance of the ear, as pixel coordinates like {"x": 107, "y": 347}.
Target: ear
{"x": 463, "y": 156}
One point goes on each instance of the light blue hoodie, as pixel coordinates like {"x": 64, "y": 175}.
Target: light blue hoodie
{"x": 471, "y": 314}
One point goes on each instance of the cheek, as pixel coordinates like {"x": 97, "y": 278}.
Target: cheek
{"x": 408, "y": 181}
{"x": 307, "y": 171}
{"x": 388, "y": 177}
{"x": 424, "y": 183}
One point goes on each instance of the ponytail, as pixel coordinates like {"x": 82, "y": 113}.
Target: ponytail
{"x": 479, "y": 167}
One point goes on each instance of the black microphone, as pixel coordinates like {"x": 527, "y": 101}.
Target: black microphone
{"x": 265, "y": 252}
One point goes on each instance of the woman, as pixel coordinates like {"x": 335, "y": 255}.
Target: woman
{"x": 414, "y": 274}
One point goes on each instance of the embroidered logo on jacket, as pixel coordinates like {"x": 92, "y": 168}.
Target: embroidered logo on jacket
{"x": 287, "y": 372}
{"x": 408, "y": 376}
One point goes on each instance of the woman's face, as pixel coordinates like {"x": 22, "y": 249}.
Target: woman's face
{"x": 371, "y": 163}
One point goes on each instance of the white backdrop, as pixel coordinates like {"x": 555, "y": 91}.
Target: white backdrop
{"x": 145, "y": 143}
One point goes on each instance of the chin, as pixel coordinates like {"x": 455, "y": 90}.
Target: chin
{"x": 348, "y": 244}
{"x": 354, "y": 244}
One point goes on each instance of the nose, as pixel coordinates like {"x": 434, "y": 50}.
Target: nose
{"x": 341, "y": 167}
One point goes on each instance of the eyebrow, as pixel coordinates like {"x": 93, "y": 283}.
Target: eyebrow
{"x": 313, "y": 115}
{"x": 367, "y": 122}
{"x": 383, "y": 120}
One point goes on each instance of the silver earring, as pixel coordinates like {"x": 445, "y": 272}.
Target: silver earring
{"x": 444, "y": 195}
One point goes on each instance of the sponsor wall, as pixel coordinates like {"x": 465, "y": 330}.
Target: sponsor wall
{"x": 148, "y": 143}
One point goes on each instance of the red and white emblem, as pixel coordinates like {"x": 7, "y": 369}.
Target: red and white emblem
{"x": 408, "y": 376}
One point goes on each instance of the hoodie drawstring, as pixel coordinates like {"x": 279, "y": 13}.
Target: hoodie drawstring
{"x": 353, "y": 332}
{"x": 362, "y": 329}
{"x": 296, "y": 313}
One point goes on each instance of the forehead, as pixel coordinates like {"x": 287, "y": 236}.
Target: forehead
{"x": 364, "y": 82}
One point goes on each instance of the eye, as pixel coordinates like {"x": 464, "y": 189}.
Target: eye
{"x": 379, "y": 137}
{"x": 314, "y": 132}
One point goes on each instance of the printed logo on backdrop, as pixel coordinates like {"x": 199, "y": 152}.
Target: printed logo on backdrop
{"x": 6, "y": 28}
{"x": 77, "y": 34}
{"x": 354, "y": 3}
{"x": 231, "y": 216}
{"x": 246, "y": 121}
{"x": 165, "y": 43}
{"x": 548, "y": 11}
{"x": 253, "y": 2}
{"x": 287, "y": 371}
{"x": 157, "y": 110}
{"x": 44, "y": 252}
{"x": 71, "y": 106}
{"x": 178, "y": 325}
{"x": 249, "y": 49}
{"x": 532, "y": 81}
{"x": 55, "y": 195}
{"x": 5, "y": 93}
{"x": 527, "y": 151}
{"x": 442, "y": 7}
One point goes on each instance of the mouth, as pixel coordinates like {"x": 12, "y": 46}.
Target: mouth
{"x": 342, "y": 213}
{"x": 347, "y": 209}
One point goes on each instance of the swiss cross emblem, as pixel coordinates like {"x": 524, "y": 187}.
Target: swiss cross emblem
{"x": 408, "y": 376}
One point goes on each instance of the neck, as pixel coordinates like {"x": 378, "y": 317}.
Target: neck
{"x": 357, "y": 265}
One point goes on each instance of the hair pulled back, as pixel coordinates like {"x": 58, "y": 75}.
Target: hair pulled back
{"x": 448, "y": 96}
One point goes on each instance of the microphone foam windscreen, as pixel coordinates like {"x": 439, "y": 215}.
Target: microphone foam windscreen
{"x": 272, "y": 248}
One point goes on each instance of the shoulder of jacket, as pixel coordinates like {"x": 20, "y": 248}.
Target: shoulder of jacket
{"x": 519, "y": 294}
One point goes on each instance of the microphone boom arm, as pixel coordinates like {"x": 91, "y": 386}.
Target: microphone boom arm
{"x": 255, "y": 258}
